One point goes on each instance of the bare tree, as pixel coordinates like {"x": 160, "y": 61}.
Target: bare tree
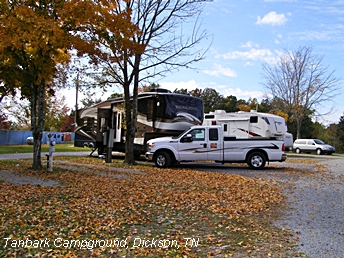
{"x": 162, "y": 46}
{"x": 301, "y": 84}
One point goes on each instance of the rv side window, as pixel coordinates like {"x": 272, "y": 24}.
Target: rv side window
{"x": 254, "y": 119}
{"x": 213, "y": 134}
{"x": 225, "y": 128}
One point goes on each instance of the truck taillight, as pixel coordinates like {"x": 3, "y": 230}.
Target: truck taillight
{"x": 283, "y": 147}
{"x": 213, "y": 122}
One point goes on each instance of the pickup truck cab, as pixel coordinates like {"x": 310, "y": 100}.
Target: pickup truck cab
{"x": 208, "y": 143}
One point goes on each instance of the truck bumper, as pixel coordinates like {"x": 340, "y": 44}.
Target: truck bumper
{"x": 284, "y": 157}
{"x": 149, "y": 156}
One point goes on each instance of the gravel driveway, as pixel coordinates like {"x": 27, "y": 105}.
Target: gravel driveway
{"x": 317, "y": 211}
{"x": 316, "y": 199}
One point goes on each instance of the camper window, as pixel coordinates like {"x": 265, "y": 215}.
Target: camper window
{"x": 254, "y": 119}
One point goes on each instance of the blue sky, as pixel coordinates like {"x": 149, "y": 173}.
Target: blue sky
{"x": 248, "y": 33}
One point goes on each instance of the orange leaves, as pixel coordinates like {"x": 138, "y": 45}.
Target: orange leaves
{"x": 169, "y": 204}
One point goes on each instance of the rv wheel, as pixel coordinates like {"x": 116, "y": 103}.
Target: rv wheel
{"x": 162, "y": 159}
{"x": 256, "y": 160}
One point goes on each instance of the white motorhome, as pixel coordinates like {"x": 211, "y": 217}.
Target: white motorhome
{"x": 247, "y": 124}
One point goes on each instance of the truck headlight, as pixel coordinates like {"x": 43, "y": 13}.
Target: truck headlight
{"x": 150, "y": 145}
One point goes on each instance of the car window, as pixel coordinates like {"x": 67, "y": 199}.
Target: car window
{"x": 310, "y": 142}
{"x": 213, "y": 134}
{"x": 198, "y": 134}
{"x": 319, "y": 141}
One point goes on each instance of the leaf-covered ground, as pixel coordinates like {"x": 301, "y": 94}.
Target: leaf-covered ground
{"x": 116, "y": 211}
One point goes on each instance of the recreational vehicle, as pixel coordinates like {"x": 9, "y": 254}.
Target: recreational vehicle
{"x": 247, "y": 124}
{"x": 160, "y": 113}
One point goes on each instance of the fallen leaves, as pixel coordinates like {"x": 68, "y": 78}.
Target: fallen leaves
{"x": 166, "y": 204}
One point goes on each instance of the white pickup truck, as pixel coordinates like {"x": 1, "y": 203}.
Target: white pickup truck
{"x": 208, "y": 143}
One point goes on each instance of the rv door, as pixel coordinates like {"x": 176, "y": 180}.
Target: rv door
{"x": 103, "y": 122}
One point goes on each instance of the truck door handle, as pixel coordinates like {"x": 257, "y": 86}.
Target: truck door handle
{"x": 204, "y": 145}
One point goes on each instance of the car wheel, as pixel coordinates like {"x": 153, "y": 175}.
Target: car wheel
{"x": 297, "y": 150}
{"x": 256, "y": 160}
{"x": 162, "y": 159}
{"x": 319, "y": 152}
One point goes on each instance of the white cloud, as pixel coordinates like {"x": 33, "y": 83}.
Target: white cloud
{"x": 253, "y": 54}
{"x": 272, "y": 18}
{"x": 189, "y": 85}
{"x": 240, "y": 93}
{"x": 249, "y": 44}
{"x": 225, "y": 90}
{"x": 220, "y": 70}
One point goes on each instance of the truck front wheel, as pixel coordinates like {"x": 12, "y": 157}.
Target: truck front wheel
{"x": 256, "y": 160}
{"x": 162, "y": 159}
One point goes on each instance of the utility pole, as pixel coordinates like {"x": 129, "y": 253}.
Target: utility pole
{"x": 76, "y": 98}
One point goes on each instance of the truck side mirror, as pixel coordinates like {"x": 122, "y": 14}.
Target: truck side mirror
{"x": 186, "y": 138}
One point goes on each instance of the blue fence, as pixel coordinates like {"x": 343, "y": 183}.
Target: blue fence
{"x": 9, "y": 137}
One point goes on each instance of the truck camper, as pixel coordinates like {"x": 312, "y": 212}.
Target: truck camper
{"x": 247, "y": 124}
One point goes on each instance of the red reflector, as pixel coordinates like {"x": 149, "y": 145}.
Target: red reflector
{"x": 213, "y": 122}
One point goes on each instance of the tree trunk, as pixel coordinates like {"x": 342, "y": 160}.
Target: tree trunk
{"x": 131, "y": 113}
{"x": 37, "y": 122}
{"x": 130, "y": 130}
{"x": 298, "y": 127}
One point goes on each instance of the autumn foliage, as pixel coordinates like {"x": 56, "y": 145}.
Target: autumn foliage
{"x": 103, "y": 202}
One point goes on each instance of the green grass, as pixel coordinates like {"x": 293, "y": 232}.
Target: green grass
{"x": 8, "y": 149}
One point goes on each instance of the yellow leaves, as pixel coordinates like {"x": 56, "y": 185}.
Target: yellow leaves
{"x": 169, "y": 204}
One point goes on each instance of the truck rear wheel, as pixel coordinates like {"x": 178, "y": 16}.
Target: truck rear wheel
{"x": 162, "y": 159}
{"x": 256, "y": 160}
